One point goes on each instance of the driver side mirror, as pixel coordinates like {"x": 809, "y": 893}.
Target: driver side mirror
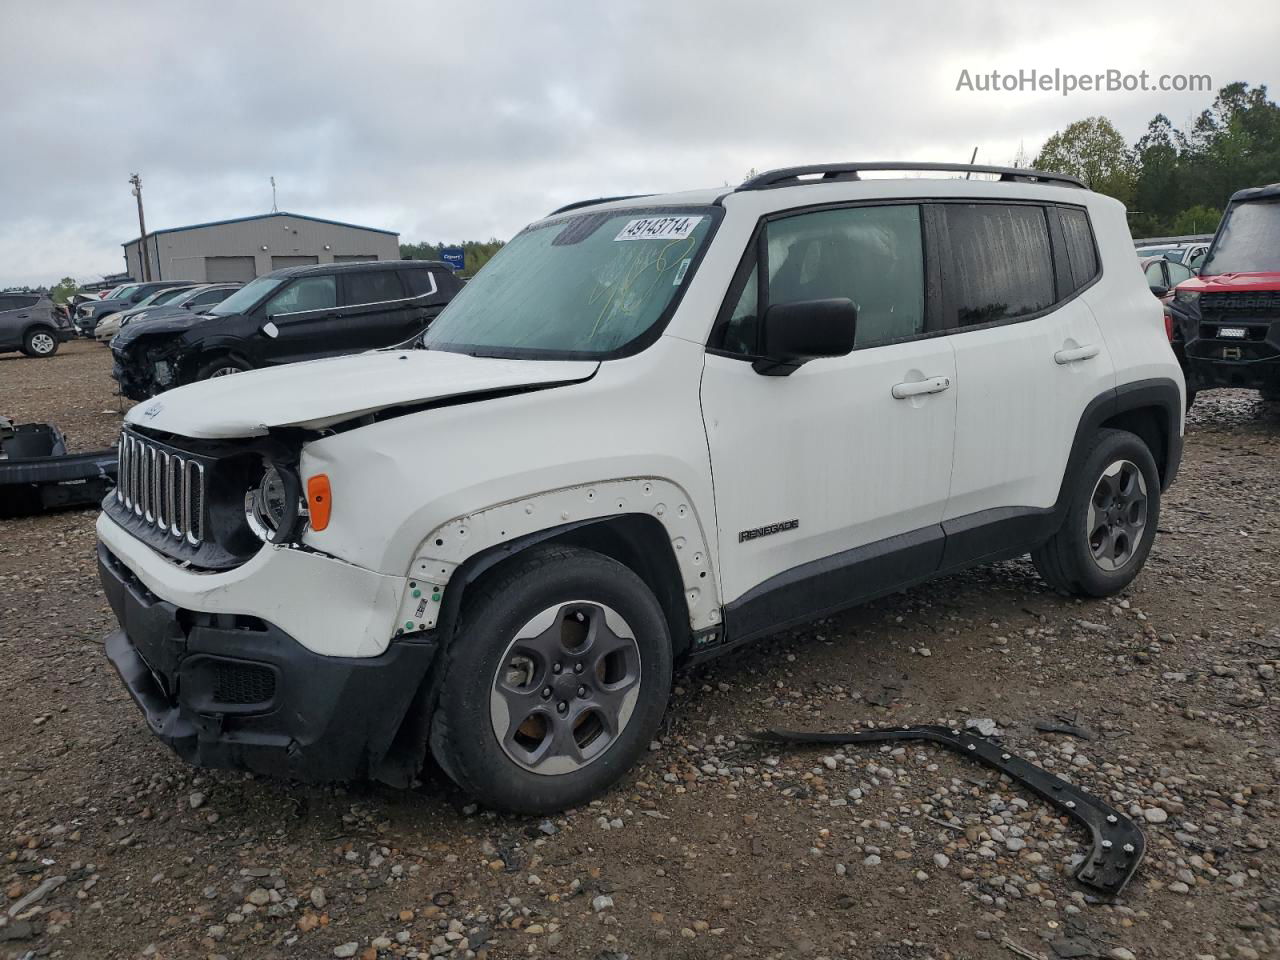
{"x": 1159, "y": 290}
{"x": 795, "y": 333}
{"x": 271, "y": 330}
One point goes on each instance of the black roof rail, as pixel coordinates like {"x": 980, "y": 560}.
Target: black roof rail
{"x": 577, "y": 205}
{"x": 791, "y": 176}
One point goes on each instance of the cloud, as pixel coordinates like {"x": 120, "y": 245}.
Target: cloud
{"x": 469, "y": 123}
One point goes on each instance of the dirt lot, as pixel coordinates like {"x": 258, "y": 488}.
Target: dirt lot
{"x": 110, "y": 847}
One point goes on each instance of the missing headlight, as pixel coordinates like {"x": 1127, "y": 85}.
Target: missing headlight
{"x": 274, "y": 508}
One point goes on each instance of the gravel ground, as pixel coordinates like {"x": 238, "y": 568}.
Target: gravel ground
{"x": 712, "y": 847}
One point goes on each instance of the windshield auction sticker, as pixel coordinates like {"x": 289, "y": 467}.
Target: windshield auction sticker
{"x": 659, "y": 228}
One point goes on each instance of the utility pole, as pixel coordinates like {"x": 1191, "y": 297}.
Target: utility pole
{"x": 274, "y": 208}
{"x": 142, "y": 229}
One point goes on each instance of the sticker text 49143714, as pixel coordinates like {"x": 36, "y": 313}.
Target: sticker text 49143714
{"x": 658, "y": 228}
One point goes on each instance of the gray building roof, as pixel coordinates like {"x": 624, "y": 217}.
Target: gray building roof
{"x": 260, "y": 216}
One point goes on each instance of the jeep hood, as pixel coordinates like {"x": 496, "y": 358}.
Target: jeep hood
{"x": 321, "y": 393}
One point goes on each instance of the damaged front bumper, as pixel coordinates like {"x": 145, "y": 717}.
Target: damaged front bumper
{"x": 142, "y": 372}
{"x": 236, "y": 691}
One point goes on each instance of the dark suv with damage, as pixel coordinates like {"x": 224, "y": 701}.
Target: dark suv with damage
{"x": 1230, "y": 317}
{"x": 298, "y": 313}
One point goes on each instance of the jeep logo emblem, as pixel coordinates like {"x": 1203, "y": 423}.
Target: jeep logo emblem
{"x": 153, "y": 410}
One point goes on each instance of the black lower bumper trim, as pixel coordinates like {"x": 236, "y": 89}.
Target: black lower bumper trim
{"x": 235, "y": 692}
{"x": 1206, "y": 374}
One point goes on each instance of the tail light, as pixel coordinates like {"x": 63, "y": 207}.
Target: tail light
{"x": 1168, "y": 323}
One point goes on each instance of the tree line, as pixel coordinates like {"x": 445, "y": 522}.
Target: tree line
{"x": 476, "y": 253}
{"x": 1175, "y": 181}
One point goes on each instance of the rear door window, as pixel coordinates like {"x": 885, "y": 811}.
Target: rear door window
{"x": 998, "y": 264}
{"x": 376, "y": 286}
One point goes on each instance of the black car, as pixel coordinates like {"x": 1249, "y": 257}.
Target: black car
{"x": 298, "y": 313}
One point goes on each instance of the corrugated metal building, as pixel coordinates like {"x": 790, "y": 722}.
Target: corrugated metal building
{"x": 248, "y": 247}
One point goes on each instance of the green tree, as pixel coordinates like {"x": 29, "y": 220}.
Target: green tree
{"x": 1157, "y": 189}
{"x": 1093, "y": 151}
{"x": 1197, "y": 219}
{"x": 64, "y": 289}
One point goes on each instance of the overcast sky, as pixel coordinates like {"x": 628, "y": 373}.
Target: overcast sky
{"x": 466, "y": 120}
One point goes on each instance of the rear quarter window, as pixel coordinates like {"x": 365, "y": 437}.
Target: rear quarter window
{"x": 1082, "y": 253}
{"x": 422, "y": 282}
{"x": 998, "y": 263}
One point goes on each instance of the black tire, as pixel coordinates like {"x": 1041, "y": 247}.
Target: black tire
{"x": 463, "y": 737}
{"x": 1067, "y": 561}
{"x": 1191, "y": 397}
{"x": 40, "y": 342}
{"x": 1271, "y": 394}
{"x": 213, "y": 367}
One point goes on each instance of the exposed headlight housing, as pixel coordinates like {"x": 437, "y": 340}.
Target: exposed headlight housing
{"x": 1187, "y": 296}
{"x": 274, "y": 508}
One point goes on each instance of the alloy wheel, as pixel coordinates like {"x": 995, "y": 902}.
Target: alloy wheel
{"x": 42, "y": 344}
{"x": 565, "y": 688}
{"x": 1117, "y": 515}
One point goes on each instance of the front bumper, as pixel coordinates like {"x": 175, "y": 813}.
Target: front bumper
{"x": 236, "y": 692}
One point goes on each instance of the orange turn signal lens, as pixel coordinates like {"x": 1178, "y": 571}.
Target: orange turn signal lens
{"x": 319, "y": 500}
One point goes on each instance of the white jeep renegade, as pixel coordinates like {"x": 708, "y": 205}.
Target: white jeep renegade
{"x": 651, "y": 429}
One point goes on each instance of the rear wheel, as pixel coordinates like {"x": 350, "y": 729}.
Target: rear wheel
{"x": 555, "y": 681}
{"x": 1111, "y": 519}
{"x": 40, "y": 343}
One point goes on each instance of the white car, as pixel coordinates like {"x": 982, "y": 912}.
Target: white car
{"x": 651, "y": 429}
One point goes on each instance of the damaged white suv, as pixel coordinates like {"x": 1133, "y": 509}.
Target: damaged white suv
{"x": 651, "y": 429}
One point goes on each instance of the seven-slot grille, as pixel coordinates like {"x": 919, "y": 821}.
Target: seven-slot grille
{"x": 165, "y": 489}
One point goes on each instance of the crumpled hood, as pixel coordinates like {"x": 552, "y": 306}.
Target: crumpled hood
{"x": 320, "y": 393}
{"x": 157, "y": 323}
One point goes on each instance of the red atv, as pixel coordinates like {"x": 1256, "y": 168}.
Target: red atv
{"x": 1230, "y": 321}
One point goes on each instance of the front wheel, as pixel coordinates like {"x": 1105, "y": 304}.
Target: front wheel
{"x": 221, "y": 367}
{"x": 1112, "y": 513}
{"x": 554, "y": 682}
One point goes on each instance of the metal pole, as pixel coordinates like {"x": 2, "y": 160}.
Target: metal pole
{"x": 142, "y": 229}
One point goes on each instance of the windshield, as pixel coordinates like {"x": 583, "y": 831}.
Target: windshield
{"x": 124, "y": 292}
{"x": 584, "y": 286}
{"x": 162, "y": 296}
{"x": 247, "y": 296}
{"x": 1248, "y": 240}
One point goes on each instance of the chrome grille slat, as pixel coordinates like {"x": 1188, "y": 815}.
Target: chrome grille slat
{"x": 165, "y": 489}
{"x": 135, "y": 463}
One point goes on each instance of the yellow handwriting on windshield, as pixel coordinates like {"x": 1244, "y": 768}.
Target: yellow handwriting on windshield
{"x": 625, "y": 290}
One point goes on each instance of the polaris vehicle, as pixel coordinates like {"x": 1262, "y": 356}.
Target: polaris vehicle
{"x": 1231, "y": 331}
{"x": 297, "y": 313}
{"x": 649, "y": 430}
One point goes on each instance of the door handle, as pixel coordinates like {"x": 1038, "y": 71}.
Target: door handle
{"x": 1076, "y": 354}
{"x": 916, "y": 388}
